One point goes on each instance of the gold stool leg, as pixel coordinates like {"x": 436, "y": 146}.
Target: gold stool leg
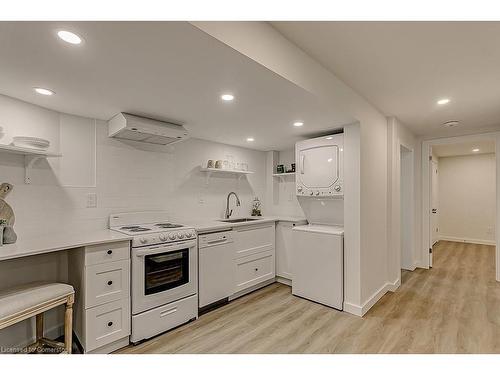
{"x": 39, "y": 327}
{"x": 68, "y": 324}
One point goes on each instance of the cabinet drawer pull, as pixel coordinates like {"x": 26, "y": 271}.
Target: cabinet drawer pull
{"x": 110, "y": 282}
{"x": 110, "y": 252}
{"x": 256, "y": 269}
{"x": 110, "y": 324}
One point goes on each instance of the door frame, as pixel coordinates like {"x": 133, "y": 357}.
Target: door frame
{"x": 426, "y": 190}
{"x": 411, "y": 185}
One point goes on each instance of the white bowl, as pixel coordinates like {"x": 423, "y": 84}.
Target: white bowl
{"x": 31, "y": 142}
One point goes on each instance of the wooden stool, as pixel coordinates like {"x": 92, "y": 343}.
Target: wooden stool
{"x": 29, "y": 300}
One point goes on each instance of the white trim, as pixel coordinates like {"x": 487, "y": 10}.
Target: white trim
{"x": 283, "y": 280}
{"x": 370, "y": 302}
{"x": 426, "y": 152}
{"x": 467, "y": 240}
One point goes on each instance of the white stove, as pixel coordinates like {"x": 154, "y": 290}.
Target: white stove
{"x": 164, "y": 260}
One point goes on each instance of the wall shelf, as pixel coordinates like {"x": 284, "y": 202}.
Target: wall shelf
{"x": 210, "y": 171}
{"x": 31, "y": 156}
{"x": 283, "y": 175}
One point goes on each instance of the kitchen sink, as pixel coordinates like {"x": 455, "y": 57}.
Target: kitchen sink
{"x": 242, "y": 220}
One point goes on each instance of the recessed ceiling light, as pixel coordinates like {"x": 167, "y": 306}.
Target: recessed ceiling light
{"x": 451, "y": 123}
{"x": 69, "y": 37}
{"x": 298, "y": 123}
{"x": 250, "y": 139}
{"x": 227, "y": 97}
{"x": 475, "y": 150}
{"x": 329, "y": 138}
{"x": 42, "y": 91}
{"x": 443, "y": 101}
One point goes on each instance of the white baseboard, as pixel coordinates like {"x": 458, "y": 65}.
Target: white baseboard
{"x": 467, "y": 240}
{"x": 371, "y": 301}
{"x": 283, "y": 280}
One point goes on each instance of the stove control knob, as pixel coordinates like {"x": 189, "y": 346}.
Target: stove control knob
{"x": 299, "y": 189}
{"x": 311, "y": 193}
{"x": 189, "y": 234}
{"x": 337, "y": 188}
{"x": 163, "y": 237}
{"x": 143, "y": 240}
{"x": 180, "y": 235}
{"x": 317, "y": 193}
{"x": 172, "y": 236}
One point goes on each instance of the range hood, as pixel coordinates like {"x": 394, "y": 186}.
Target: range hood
{"x": 141, "y": 129}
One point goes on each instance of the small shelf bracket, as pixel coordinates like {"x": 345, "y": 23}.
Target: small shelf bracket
{"x": 29, "y": 162}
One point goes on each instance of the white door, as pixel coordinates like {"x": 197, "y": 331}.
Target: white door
{"x": 434, "y": 206}
{"x": 319, "y": 166}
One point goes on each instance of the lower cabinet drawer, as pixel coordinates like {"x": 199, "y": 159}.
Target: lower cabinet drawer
{"x": 163, "y": 318}
{"x": 254, "y": 269}
{"x": 107, "y": 282}
{"x": 106, "y": 324}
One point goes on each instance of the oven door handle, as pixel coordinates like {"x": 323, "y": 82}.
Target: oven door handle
{"x": 164, "y": 248}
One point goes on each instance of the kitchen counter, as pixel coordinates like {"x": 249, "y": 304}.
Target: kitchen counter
{"x": 211, "y": 225}
{"x": 57, "y": 242}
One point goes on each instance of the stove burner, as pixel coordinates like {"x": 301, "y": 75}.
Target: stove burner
{"x": 130, "y": 227}
{"x": 168, "y": 225}
{"x": 138, "y": 229}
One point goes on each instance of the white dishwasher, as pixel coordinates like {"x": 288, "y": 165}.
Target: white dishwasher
{"x": 216, "y": 267}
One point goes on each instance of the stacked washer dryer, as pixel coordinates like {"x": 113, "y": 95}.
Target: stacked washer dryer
{"x": 318, "y": 248}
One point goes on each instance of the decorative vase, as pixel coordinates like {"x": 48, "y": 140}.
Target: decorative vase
{"x": 9, "y": 235}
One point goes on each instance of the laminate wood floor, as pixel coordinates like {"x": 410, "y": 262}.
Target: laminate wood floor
{"x": 452, "y": 308}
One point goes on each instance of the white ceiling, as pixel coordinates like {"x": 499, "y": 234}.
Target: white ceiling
{"x": 164, "y": 70}
{"x": 403, "y": 68}
{"x": 458, "y": 149}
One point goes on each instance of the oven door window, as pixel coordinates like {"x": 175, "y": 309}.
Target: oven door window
{"x": 166, "y": 271}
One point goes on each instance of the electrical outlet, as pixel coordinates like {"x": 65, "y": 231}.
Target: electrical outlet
{"x": 91, "y": 200}
{"x": 201, "y": 200}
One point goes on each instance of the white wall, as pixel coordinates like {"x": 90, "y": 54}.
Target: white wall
{"x": 126, "y": 178}
{"x": 467, "y": 198}
{"x": 399, "y": 135}
{"x": 191, "y": 197}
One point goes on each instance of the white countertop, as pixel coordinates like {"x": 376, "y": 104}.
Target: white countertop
{"x": 26, "y": 246}
{"x": 208, "y": 225}
{"x": 57, "y": 242}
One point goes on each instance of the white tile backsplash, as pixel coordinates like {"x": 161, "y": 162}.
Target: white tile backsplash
{"x": 127, "y": 178}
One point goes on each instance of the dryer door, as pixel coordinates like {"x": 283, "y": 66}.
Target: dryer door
{"x": 318, "y": 167}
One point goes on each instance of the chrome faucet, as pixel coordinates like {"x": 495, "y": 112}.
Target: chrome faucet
{"x": 229, "y": 212}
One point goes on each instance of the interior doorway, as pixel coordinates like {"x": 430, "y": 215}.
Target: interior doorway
{"x": 460, "y": 202}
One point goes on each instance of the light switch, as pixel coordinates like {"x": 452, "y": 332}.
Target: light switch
{"x": 91, "y": 200}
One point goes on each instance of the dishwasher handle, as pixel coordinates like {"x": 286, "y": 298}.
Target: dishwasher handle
{"x": 215, "y": 239}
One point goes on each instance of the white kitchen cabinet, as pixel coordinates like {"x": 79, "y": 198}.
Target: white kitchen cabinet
{"x": 100, "y": 275}
{"x": 284, "y": 243}
{"x": 254, "y": 257}
{"x": 254, "y": 269}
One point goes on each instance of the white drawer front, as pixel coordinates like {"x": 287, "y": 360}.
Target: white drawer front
{"x": 107, "y": 323}
{"x": 107, "y": 282}
{"x": 104, "y": 253}
{"x": 163, "y": 318}
{"x": 253, "y": 239}
{"x": 254, "y": 269}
